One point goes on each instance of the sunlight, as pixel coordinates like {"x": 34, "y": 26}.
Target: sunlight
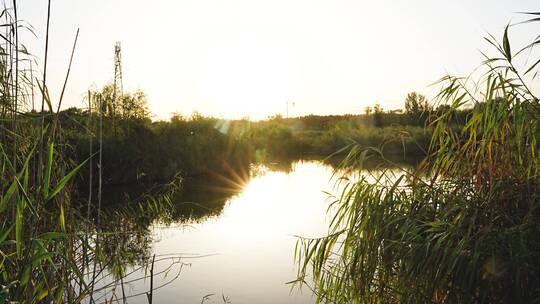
{"x": 271, "y": 201}
{"x": 248, "y": 76}
{"x": 248, "y": 151}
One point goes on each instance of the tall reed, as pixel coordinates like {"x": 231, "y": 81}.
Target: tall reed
{"x": 57, "y": 245}
{"x": 463, "y": 227}
{"x": 44, "y": 250}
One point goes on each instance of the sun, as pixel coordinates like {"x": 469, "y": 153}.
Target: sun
{"x": 248, "y": 76}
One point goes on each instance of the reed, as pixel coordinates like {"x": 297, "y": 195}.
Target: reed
{"x": 50, "y": 248}
{"x": 460, "y": 228}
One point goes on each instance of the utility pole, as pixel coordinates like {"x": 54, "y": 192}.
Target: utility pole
{"x": 287, "y": 108}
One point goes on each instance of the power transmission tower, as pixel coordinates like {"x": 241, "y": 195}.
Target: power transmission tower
{"x": 118, "y": 88}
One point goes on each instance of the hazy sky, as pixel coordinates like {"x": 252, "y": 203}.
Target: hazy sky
{"x": 237, "y": 58}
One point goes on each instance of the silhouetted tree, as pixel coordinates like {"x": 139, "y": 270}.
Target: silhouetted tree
{"x": 378, "y": 115}
{"x": 128, "y": 105}
{"x": 417, "y": 108}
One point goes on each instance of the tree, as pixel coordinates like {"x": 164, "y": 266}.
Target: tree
{"x": 377, "y": 115}
{"x": 368, "y": 111}
{"x": 126, "y": 106}
{"x": 134, "y": 105}
{"x": 417, "y": 107}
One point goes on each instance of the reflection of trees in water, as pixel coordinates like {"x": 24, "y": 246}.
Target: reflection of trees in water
{"x": 128, "y": 244}
{"x": 204, "y": 197}
{"x": 286, "y": 164}
{"x": 373, "y": 162}
{"x": 134, "y": 209}
{"x": 130, "y": 213}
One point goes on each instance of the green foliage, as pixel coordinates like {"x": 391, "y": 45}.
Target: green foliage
{"x": 417, "y": 108}
{"x": 48, "y": 247}
{"x": 463, "y": 227}
{"x": 121, "y": 105}
{"x": 136, "y": 150}
{"x": 323, "y": 135}
{"x": 36, "y": 230}
{"x": 377, "y": 116}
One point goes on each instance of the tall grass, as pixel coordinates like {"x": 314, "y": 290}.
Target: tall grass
{"x": 41, "y": 243}
{"x": 463, "y": 227}
{"x": 49, "y": 245}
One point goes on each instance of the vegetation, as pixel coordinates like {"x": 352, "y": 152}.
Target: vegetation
{"x": 461, "y": 228}
{"x": 395, "y": 133}
{"x": 43, "y": 255}
{"x": 57, "y": 243}
{"x": 135, "y": 149}
{"x": 53, "y": 246}
{"x": 138, "y": 150}
{"x": 322, "y": 136}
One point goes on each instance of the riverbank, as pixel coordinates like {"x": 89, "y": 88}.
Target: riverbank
{"x": 138, "y": 150}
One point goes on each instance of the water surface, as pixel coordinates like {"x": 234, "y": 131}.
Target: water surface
{"x": 247, "y": 240}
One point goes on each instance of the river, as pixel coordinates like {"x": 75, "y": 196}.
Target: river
{"x": 242, "y": 249}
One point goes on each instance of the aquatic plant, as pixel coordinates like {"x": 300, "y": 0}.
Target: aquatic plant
{"x": 52, "y": 246}
{"x": 463, "y": 227}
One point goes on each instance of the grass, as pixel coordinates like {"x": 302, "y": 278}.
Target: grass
{"x": 52, "y": 246}
{"x": 463, "y": 227}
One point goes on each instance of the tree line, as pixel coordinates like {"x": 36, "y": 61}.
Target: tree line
{"x": 137, "y": 149}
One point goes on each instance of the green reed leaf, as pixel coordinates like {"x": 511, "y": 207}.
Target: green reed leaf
{"x": 62, "y": 183}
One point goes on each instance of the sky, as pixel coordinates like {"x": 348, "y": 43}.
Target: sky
{"x": 250, "y": 58}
